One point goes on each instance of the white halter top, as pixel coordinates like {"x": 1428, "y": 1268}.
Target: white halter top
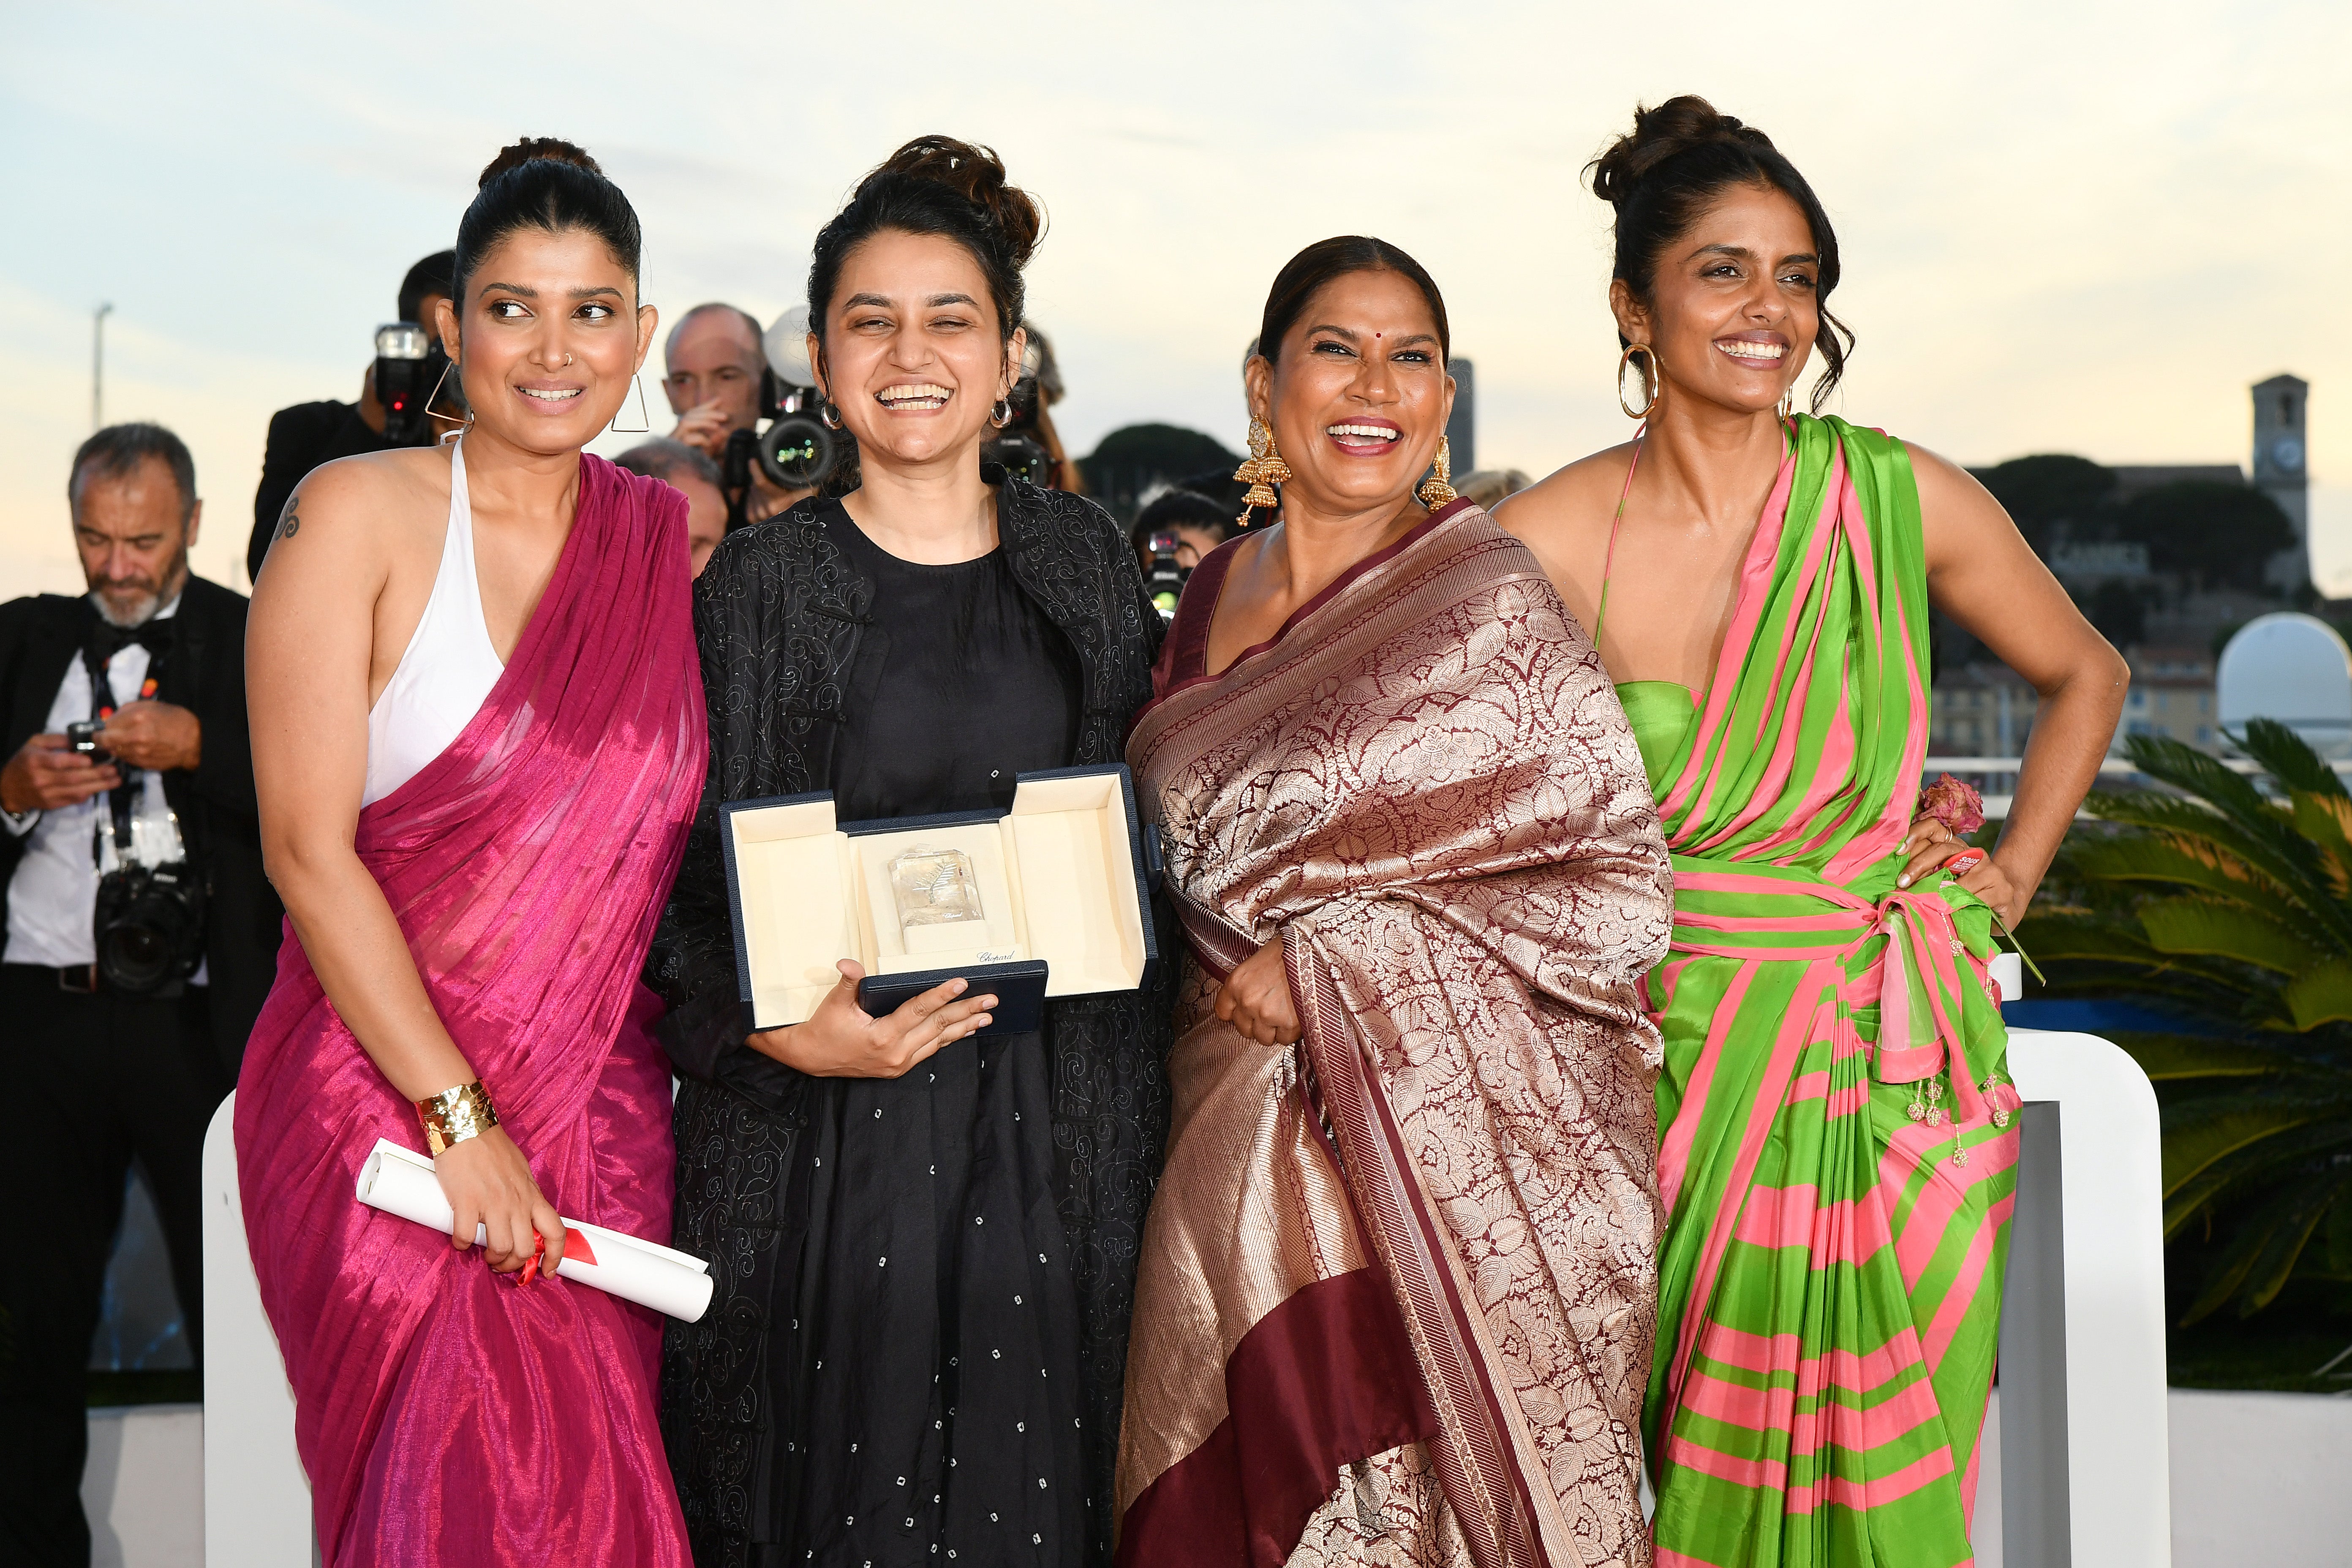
{"x": 447, "y": 670}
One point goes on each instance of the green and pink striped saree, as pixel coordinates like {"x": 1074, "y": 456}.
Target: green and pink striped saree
{"x": 1837, "y": 1158}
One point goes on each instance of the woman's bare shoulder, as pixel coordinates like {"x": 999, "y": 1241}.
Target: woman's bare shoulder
{"x": 348, "y": 520}
{"x": 1576, "y": 497}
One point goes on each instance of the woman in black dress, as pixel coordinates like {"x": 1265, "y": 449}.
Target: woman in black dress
{"x": 924, "y": 1242}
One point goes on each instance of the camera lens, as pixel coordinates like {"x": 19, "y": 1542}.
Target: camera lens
{"x": 795, "y": 452}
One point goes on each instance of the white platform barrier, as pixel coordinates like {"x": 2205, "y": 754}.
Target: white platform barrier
{"x": 257, "y": 1498}
{"x": 2084, "y": 1451}
{"x": 2083, "y": 1474}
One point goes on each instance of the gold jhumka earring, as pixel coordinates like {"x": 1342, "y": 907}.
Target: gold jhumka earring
{"x": 1435, "y": 492}
{"x": 1261, "y": 470}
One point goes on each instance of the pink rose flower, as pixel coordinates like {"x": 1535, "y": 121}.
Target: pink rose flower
{"x": 1953, "y": 802}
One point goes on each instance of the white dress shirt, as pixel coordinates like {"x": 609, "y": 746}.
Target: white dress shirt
{"x": 53, "y": 897}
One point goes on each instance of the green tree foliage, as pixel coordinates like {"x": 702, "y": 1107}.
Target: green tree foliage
{"x": 2043, "y": 493}
{"x": 2214, "y": 533}
{"x": 1131, "y": 460}
{"x": 2234, "y": 909}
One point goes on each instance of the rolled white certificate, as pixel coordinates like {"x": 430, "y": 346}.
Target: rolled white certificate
{"x": 401, "y": 1181}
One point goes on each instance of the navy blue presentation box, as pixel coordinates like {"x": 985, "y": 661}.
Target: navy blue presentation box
{"x": 1061, "y": 884}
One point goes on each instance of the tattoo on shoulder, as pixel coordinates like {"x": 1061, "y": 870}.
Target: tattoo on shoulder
{"x": 288, "y": 525}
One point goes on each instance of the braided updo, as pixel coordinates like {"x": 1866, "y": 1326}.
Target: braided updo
{"x": 936, "y": 184}
{"x": 545, "y": 183}
{"x": 1663, "y": 177}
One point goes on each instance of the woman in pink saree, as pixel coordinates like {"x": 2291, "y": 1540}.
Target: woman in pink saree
{"x": 1399, "y": 1277}
{"x": 477, "y": 733}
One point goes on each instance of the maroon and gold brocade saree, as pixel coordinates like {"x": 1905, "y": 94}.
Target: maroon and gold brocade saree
{"x": 1399, "y": 1282}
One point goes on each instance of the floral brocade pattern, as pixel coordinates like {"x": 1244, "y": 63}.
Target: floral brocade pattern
{"x": 1426, "y": 789}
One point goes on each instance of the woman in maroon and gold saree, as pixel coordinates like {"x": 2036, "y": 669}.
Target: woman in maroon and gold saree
{"x": 1399, "y": 1277}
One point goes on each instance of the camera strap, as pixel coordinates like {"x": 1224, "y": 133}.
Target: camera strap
{"x": 121, "y": 800}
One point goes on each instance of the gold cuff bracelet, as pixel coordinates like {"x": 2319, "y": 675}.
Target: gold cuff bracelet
{"x": 455, "y": 1115}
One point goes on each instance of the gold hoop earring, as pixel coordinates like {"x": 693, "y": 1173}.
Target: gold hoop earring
{"x": 1650, "y": 379}
{"x": 1434, "y": 490}
{"x": 1261, "y": 470}
{"x": 644, "y": 424}
{"x": 1788, "y": 403}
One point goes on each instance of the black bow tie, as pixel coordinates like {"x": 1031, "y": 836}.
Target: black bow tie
{"x": 107, "y": 639}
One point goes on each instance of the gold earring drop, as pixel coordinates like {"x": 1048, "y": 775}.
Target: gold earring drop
{"x": 1435, "y": 492}
{"x": 1261, "y": 470}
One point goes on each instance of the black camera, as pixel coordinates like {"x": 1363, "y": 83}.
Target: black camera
{"x": 81, "y": 736}
{"x": 1165, "y": 579}
{"x": 151, "y": 928}
{"x": 796, "y": 452}
{"x": 1018, "y": 447}
{"x": 410, "y": 369}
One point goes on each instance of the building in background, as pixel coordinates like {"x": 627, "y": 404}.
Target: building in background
{"x": 1462, "y": 425}
{"x": 2167, "y": 560}
{"x": 2172, "y": 696}
{"x": 1982, "y": 709}
{"x": 2280, "y": 451}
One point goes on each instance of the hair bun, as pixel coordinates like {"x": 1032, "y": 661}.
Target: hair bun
{"x": 977, "y": 174}
{"x": 531, "y": 150}
{"x": 1674, "y": 127}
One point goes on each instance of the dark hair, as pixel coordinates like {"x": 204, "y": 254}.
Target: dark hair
{"x": 1326, "y": 259}
{"x": 1662, "y": 177}
{"x": 544, "y": 183}
{"x": 936, "y": 184}
{"x": 1183, "y": 509}
{"x": 117, "y": 451}
{"x": 437, "y": 274}
{"x": 661, "y": 457}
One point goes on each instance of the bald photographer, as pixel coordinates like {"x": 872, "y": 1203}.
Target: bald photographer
{"x": 141, "y": 935}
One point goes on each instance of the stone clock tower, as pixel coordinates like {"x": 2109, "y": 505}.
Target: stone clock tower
{"x": 2280, "y": 455}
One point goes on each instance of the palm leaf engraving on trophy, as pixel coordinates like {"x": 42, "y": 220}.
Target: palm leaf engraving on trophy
{"x": 934, "y": 887}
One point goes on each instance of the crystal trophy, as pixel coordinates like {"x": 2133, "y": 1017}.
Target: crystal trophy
{"x": 934, "y": 887}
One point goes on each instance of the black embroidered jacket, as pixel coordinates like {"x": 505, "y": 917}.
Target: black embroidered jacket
{"x": 778, "y": 614}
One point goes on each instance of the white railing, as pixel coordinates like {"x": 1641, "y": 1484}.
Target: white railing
{"x": 1996, "y": 805}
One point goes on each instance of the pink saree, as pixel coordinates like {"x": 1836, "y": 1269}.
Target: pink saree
{"x": 444, "y": 1414}
{"x": 1399, "y": 1282}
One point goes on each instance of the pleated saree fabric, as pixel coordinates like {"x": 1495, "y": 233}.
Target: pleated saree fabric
{"x": 1396, "y": 1294}
{"x": 1837, "y": 1189}
{"x": 444, "y": 1414}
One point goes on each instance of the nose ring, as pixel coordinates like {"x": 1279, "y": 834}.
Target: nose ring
{"x": 567, "y": 360}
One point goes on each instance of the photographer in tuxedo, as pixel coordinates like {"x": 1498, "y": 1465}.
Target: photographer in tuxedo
{"x": 141, "y": 935}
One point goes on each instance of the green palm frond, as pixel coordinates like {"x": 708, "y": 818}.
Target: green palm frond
{"x": 2166, "y": 1058}
{"x": 2150, "y": 858}
{"x": 2326, "y": 821}
{"x": 2208, "y": 928}
{"x": 2288, "y": 758}
{"x": 2321, "y": 994}
{"x": 2199, "y": 1132}
{"x": 2203, "y": 776}
{"x": 2230, "y": 905}
{"x": 2270, "y": 1242}
{"x": 2278, "y": 852}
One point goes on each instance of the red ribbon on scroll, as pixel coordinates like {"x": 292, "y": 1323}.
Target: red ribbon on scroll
{"x": 574, "y": 1245}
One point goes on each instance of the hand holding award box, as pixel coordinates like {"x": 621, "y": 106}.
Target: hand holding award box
{"x": 400, "y": 1180}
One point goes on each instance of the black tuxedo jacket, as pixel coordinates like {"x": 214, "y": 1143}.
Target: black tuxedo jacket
{"x": 39, "y": 639}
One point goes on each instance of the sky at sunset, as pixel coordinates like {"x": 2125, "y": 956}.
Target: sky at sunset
{"x": 2080, "y": 228}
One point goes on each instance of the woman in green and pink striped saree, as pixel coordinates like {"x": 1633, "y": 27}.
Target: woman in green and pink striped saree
{"x": 1838, "y": 1141}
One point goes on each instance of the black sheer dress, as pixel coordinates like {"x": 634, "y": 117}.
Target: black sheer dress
{"x": 923, "y": 1281}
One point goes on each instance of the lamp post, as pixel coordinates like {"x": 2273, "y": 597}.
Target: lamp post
{"x": 98, "y": 366}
